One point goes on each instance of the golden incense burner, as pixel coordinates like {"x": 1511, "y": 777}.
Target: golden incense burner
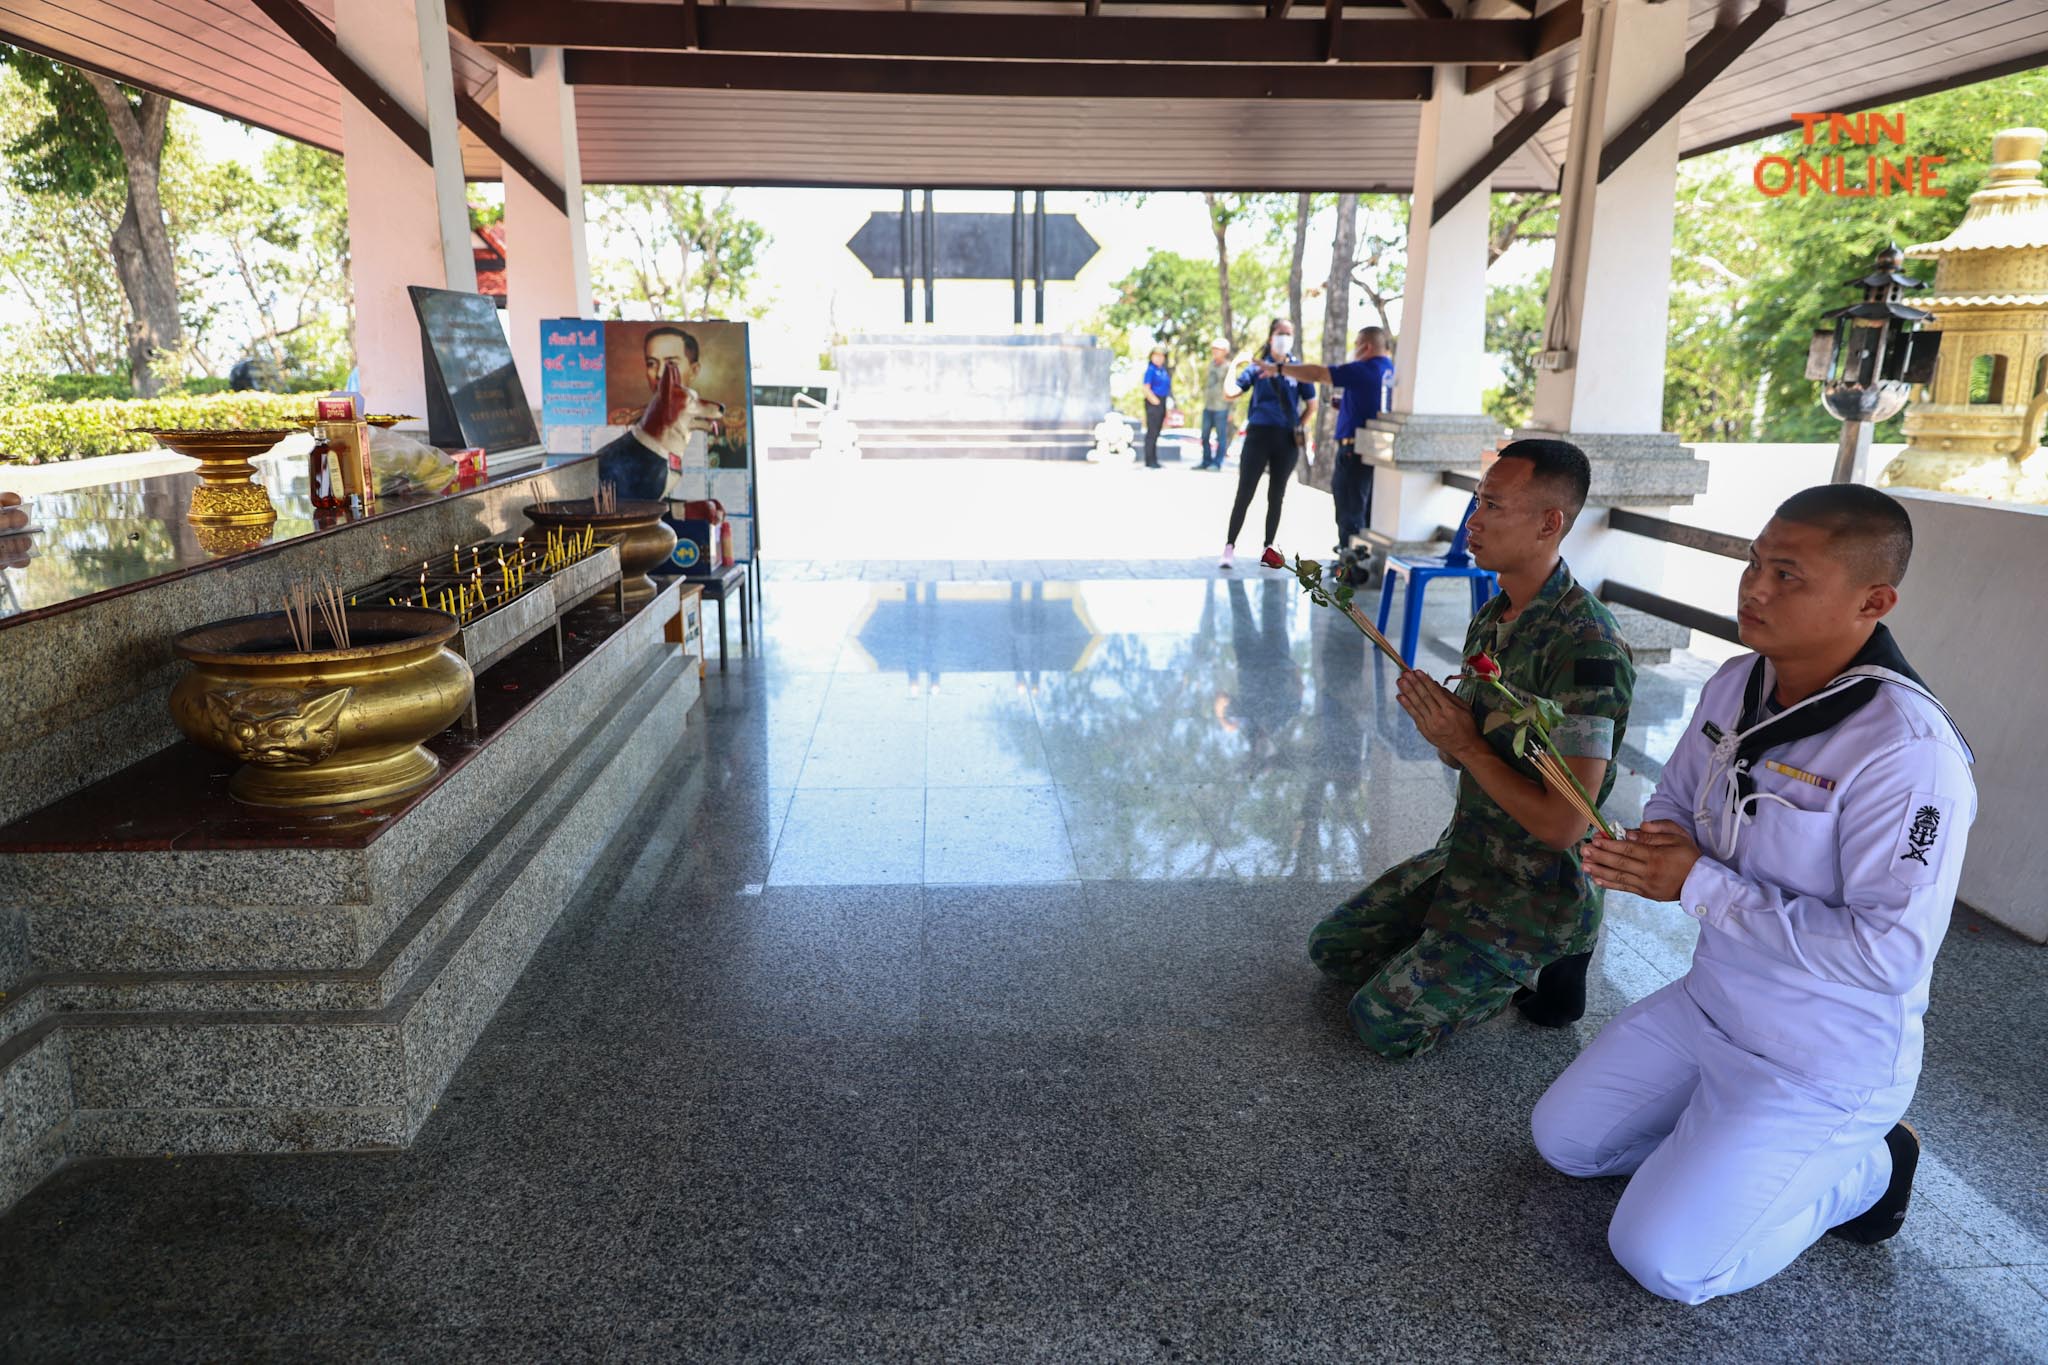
{"x": 648, "y": 539}
{"x": 322, "y": 727}
{"x": 225, "y": 496}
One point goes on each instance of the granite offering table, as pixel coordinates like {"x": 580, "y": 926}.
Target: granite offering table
{"x": 184, "y": 973}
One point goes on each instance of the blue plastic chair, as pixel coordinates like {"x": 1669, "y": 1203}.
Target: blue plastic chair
{"x": 1418, "y": 570}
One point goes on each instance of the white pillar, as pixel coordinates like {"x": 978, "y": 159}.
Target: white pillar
{"x": 408, "y": 221}
{"x": 1436, "y": 422}
{"x": 1443, "y": 302}
{"x": 547, "y": 266}
{"x": 1609, "y": 308}
{"x": 1607, "y": 320}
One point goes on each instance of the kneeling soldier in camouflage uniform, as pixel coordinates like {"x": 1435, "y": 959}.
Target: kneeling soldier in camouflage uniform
{"x": 1449, "y": 937}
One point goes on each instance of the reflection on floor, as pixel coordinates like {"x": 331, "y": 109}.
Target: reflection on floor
{"x": 952, "y": 1006}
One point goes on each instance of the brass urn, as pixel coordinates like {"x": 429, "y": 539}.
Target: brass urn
{"x": 226, "y": 495}
{"x": 323, "y": 727}
{"x": 648, "y": 539}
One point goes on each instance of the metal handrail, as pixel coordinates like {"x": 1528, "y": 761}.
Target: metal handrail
{"x": 1654, "y": 528}
{"x": 1678, "y": 533}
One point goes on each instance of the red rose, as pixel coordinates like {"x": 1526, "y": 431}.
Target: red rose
{"x": 1483, "y": 666}
{"x": 1273, "y": 559}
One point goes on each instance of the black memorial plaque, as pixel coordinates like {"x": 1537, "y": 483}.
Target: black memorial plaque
{"x": 474, "y": 397}
{"x": 972, "y": 246}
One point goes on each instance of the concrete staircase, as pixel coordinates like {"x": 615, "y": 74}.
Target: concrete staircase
{"x": 941, "y": 439}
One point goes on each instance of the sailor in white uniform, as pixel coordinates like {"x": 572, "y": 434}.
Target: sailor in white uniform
{"x": 1812, "y": 819}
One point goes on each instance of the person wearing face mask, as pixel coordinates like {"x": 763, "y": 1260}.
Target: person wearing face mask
{"x": 1273, "y": 434}
{"x": 1365, "y": 388}
{"x": 1812, "y": 819}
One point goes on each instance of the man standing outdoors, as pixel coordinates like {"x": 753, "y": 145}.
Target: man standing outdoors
{"x": 1365, "y": 387}
{"x": 1216, "y": 405}
{"x": 1449, "y": 937}
{"x": 1812, "y": 819}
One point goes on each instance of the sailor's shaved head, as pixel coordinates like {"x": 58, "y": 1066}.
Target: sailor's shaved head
{"x": 1867, "y": 530}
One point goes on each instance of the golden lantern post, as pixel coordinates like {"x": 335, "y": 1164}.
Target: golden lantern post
{"x": 1975, "y": 427}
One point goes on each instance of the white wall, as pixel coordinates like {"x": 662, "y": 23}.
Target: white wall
{"x": 1969, "y": 619}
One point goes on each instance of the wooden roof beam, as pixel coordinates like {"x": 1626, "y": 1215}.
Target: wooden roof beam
{"x": 485, "y": 125}
{"x": 303, "y": 27}
{"x": 1709, "y": 57}
{"x": 617, "y": 25}
{"x": 1506, "y": 143}
{"x": 1553, "y": 30}
{"x": 1063, "y": 80}
{"x": 515, "y": 59}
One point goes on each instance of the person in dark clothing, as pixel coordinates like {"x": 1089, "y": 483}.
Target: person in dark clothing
{"x": 1365, "y": 389}
{"x": 1158, "y": 388}
{"x": 1273, "y": 436}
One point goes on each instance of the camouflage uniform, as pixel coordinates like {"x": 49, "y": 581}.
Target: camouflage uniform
{"x": 1446, "y": 938}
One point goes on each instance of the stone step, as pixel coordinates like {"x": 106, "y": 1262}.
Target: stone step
{"x": 1651, "y": 639}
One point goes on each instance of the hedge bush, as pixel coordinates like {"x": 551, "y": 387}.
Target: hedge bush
{"x": 44, "y": 433}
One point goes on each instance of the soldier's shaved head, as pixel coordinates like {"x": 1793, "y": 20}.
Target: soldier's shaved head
{"x": 1867, "y": 530}
{"x": 1560, "y": 467}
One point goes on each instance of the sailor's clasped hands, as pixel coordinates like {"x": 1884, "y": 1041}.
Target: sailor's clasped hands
{"x": 1652, "y": 862}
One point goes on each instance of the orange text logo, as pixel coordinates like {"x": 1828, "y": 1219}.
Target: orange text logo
{"x": 1850, "y": 176}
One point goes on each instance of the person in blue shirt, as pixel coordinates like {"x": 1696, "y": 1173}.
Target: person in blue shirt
{"x": 1365, "y": 388}
{"x": 1273, "y": 433}
{"x": 1158, "y": 388}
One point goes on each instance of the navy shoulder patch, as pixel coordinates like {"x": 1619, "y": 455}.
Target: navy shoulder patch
{"x": 1594, "y": 673}
{"x": 1917, "y": 859}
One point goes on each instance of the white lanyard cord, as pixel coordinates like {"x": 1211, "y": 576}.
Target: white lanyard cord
{"x": 1723, "y": 810}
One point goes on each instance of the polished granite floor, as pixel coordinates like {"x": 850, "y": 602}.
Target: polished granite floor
{"x": 951, "y": 1005}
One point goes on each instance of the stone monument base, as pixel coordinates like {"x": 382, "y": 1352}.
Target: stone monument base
{"x": 1021, "y": 380}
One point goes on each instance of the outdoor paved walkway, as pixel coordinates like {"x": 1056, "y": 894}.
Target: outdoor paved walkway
{"x": 952, "y": 1006}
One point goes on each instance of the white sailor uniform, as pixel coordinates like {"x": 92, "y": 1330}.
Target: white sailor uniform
{"x": 1750, "y": 1098}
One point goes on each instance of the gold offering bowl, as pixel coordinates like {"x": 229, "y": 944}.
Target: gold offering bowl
{"x": 648, "y": 538}
{"x": 324, "y": 726}
{"x": 225, "y": 496}
{"x": 384, "y": 421}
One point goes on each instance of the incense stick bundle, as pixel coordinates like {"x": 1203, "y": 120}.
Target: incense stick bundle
{"x": 298, "y": 616}
{"x": 607, "y": 499}
{"x": 1560, "y": 780}
{"x": 1372, "y": 633}
{"x": 333, "y": 612}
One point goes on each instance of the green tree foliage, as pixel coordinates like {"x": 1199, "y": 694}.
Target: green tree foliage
{"x": 1514, "y": 335}
{"x": 53, "y": 249}
{"x": 1519, "y": 217}
{"x": 1806, "y": 247}
{"x": 276, "y": 243}
{"x": 672, "y": 251}
{"x": 63, "y": 145}
{"x": 1177, "y": 301}
{"x": 63, "y": 151}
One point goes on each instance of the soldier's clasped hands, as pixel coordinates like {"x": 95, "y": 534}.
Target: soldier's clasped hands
{"x": 1439, "y": 715}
